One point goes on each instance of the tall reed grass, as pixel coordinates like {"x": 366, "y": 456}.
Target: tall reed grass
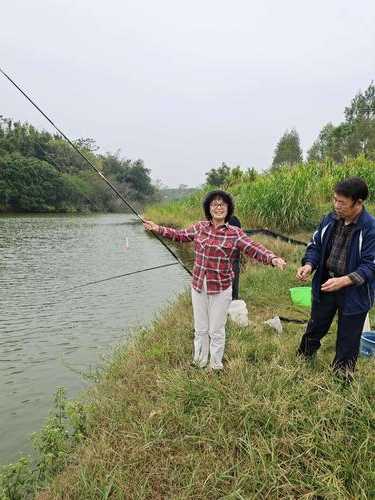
{"x": 288, "y": 199}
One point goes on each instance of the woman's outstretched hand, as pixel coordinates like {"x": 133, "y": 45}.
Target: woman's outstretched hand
{"x": 151, "y": 226}
{"x": 278, "y": 262}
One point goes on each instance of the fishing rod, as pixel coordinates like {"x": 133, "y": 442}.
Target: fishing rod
{"x": 87, "y": 160}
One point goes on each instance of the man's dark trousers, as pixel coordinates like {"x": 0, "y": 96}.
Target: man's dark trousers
{"x": 349, "y": 330}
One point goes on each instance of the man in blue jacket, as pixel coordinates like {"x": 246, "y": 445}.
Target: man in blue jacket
{"x": 342, "y": 254}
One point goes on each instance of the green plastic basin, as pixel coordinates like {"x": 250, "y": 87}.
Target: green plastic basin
{"x": 301, "y": 296}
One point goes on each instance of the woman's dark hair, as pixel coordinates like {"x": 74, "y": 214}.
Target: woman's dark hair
{"x": 353, "y": 187}
{"x": 226, "y": 197}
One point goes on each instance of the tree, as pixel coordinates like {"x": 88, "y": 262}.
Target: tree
{"x": 354, "y": 136}
{"x": 329, "y": 144}
{"x": 288, "y": 150}
{"x": 114, "y": 166}
{"x": 218, "y": 176}
{"x": 87, "y": 143}
{"x": 33, "y": 185}
{"x": 136, "y": 181}
{"x": 362, "y": 106}
{"x": 16, "y": 137}
{"x": 40, "y": 171}
{"x": 360, "y": 116}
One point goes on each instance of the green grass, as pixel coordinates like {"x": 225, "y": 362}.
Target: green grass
{"x": 289, "y": 199}
{"x": 270, "y": 426}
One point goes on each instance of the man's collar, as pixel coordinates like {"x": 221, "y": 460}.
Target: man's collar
{"x": 354, "y": 221}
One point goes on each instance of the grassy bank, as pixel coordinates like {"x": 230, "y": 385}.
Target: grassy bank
{"x": 269, "y": 427}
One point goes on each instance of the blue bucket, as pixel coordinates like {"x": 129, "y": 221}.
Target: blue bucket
{"x": 367, "y": 347}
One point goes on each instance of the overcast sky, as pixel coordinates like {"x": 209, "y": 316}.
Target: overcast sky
{"x": 185, "y": 85}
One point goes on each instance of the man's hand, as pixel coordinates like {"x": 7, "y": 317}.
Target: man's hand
{"x": 304, "y": 272}
{"x": 151, "y": 226}
{"x": 334, "y": 284}
{"x": 278, "y": 262}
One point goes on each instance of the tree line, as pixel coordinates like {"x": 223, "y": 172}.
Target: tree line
{"x": 41, "y": 172}
{"x": 354, "y": 137}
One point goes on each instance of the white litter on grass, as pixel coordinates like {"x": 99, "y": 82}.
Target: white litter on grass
{"x": 275, "y": 323}
{"x": 238, "y": 312}
{"x": 366, "y": 326}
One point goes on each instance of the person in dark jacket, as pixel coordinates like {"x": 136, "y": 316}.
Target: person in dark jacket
{"x": 235, "y": 221}
{"x": 342, "y": 254}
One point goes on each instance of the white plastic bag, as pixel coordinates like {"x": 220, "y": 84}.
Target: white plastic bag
{"x": 275, "y": 323}
{"x": 238, "y": 312}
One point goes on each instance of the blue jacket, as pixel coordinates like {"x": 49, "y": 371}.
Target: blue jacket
{"x": 360, "y": 258}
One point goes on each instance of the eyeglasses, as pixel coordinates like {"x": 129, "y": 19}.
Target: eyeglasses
{"x": 217, "y": 204}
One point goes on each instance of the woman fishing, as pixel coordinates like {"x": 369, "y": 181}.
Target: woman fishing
{"x": 215, "y": 244}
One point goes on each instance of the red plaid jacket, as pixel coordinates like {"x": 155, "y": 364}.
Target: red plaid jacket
{"x": 214, "y": 249}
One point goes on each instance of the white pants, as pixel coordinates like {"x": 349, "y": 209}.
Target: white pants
{"x": 210, "y": 316}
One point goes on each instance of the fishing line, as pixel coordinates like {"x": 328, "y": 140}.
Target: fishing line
{"x": 93, "y": 167}
{"x": 118, "y": 276}
{"x": 248, "y": 231}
